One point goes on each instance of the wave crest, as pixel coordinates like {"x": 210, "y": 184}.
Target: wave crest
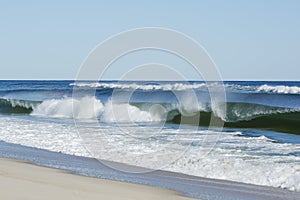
{"x": 134, "y": 86}
{"x": 92, "y": 108}
{"x": 279, "y": 89}
{"x": 84, "y": 108}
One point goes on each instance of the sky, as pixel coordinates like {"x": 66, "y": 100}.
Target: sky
{"x": 248, "y": 40}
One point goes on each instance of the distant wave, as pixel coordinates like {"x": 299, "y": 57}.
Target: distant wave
{"x": 135, "y": 86}
{"x": 280, "y": 89}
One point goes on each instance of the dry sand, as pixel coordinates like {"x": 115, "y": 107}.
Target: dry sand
{"x": 20, "y": 180}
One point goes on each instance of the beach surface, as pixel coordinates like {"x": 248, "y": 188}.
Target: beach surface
{"x": 16, "y": 159}
{"x": 21, "y": 180}
{"x": 18, "y": 177}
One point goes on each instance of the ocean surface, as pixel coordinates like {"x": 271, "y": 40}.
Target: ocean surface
{"x": 139, "y": 123}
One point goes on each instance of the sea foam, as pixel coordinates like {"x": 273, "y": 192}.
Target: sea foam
{"x": 280, "y": 89}
{"x": 84, "y": 108}
{"x": 135, "y": 86}
{"x": 255, "y": 160}
{"x": 92, "y": 108}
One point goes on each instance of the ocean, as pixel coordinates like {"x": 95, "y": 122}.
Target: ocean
{"x": 139, "y": 123}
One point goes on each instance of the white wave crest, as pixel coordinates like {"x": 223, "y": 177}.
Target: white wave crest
{"x": 280, "y": 89}
{"x": 84, "y": 108}
{"x": 128, "y": 113}
{"x": 134, "y": 86}
{"x": 92, "y": 108}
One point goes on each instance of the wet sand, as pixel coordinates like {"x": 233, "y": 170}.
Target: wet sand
{"x": 21, "y": 180}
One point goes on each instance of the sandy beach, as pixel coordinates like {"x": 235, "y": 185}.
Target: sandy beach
{"x": 21, "y": 180}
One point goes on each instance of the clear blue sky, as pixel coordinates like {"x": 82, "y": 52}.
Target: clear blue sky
{"x": 248, "y": 40}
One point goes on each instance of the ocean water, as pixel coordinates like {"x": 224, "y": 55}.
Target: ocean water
{"x": 139, "y": 123}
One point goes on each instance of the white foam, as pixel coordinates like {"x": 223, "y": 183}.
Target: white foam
{"x": 128, "y": 113}
{"x": 188, "y": 86}
{"x": 134, "y": 86}
{"x": 280, "y": 89}
{"x": 255, "y": 160}
{"x": 56, "y": 137}
{"x": 84, "y": 108}
{"x": 92, "y": 108}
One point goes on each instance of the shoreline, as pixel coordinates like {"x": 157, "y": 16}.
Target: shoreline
{"x": 190, "y": 186}
{"x": 36, "y": 182}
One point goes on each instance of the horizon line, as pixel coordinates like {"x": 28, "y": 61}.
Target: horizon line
{"x": 138, "y": 80}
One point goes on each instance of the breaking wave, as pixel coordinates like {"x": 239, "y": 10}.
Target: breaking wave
{"x": 241, "y": 115}
{"x": 135, "y": 86}
{"x": 276, "y": 89}
{"x": 84, "y": 108}
{"x": 279, "y": 89}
